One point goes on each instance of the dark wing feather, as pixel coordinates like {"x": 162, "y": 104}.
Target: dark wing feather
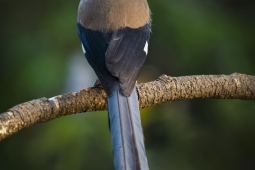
{"x": 116, "y": 56}
{"x": 96, "y": 44}
{"x": 125, "y": 55}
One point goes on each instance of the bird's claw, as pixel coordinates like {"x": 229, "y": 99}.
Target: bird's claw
{"x": 97, "y": 83}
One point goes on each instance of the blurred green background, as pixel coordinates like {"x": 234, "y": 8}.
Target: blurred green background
{"x": 41, "y": 56}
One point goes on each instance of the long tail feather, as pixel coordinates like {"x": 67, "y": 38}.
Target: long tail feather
{"x": 126, "y": 131}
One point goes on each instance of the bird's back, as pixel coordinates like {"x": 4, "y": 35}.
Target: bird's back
{"x": 109, "y": 15}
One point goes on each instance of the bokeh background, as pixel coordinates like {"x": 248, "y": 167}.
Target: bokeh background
{"x": 41, "y": 56}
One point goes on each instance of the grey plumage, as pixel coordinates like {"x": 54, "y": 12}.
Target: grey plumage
{"x": 126, "y": 130}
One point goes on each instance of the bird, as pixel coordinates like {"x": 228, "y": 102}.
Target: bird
{"x": 114, "y": 36}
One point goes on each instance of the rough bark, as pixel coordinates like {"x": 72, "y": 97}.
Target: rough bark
{"x": 164, "y": 89}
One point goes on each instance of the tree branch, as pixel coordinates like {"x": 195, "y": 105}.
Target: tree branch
{"x": 163, "y": 90}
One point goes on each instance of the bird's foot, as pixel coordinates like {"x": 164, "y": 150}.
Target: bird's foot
{"x": 97, "y": 83}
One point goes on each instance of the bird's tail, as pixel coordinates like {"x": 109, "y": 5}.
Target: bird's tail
{"x": 126, "y": 131}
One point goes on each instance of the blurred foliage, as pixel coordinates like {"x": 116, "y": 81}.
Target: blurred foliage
{"x": 38, "y": 38}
